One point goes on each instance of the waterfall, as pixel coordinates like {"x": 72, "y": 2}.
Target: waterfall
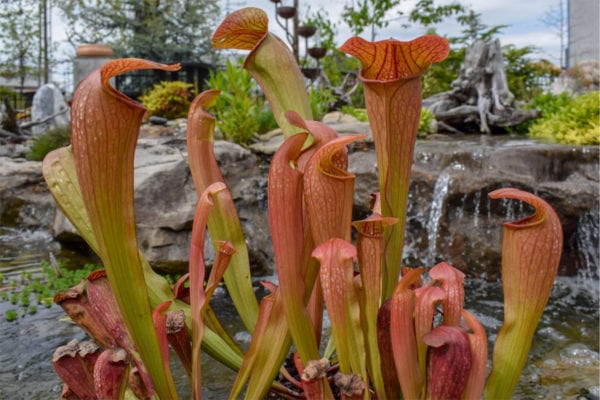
{"x": 587, "y": 237}
{"x": 476, "y": 205}
{"x": 440, "y": 191}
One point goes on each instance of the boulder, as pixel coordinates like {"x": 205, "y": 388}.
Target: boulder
{"x": 450, "y": 216}
{"x": 49, "y": 110}
{"x": 165, "y": 202}
{"x": 24, "y": 198}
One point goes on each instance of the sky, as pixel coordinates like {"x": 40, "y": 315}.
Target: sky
{"x": 524, "y": 20}
{"x": 523, "y": 17}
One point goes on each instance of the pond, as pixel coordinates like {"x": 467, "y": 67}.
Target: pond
{"x": 564, "y": 361}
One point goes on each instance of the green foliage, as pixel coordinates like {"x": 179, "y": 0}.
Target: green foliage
{"x": 425, "y": 121}
{"x": 321, "y": 100}
{"x": 474, "y": 29}
{"x": 19, "y": 39}
{"x": 358, "y": 113}
{"x": 168, "y": 99}
{"x": 266, "y": 121}
{"x": 11, "y": 315}
{"x": 326, "y": 27}
{"x": 46, "y": 142}
{"x": 43, "y": 288}
{"x": 336, "y": 66}
{"x": 439, "y": 76}
{"x": 550, "y": 103}
{"x": 525, "y": 77}
{"x": 368, "y": 13}
{"x": 166, "y": 31}
{"x": 17, "y": 100}
{"x": 576, "y": 121}
{"x": 427, "y": 13}
{"x": 241, "y": 110}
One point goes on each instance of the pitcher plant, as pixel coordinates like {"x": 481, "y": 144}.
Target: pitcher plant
{"x": 396, "y": 332}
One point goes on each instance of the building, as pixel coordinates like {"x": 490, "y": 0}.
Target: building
{"x": 583, "y": 31}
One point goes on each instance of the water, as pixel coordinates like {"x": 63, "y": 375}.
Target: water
{"x": 439, "y": 195}
{"x": 21, "y": 250}
{"x": 564, "y": 357}
{"x": 564, "y": 360}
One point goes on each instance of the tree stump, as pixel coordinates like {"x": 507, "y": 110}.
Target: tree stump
{"x": 479, "y": 98}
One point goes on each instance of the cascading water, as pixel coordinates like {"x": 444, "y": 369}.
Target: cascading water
{"x": 587, "y": 237}
{"x": 437, "y": 207}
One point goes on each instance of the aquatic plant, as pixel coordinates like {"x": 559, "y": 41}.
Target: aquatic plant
{"x": 392, "y": 334}
{"x": 53, "y": 279}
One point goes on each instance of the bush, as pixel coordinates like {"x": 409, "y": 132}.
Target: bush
{"x": 426, "y": 120}
{"x": 168, "y": 99}
{"x": 46, "y": 142}
{"x": 321, "y": 100}
{"x": 266, "y": 121}
{"x": 568, "y": 120}
{"x": 240, "y": 110}
{"x": 359, "y": 113}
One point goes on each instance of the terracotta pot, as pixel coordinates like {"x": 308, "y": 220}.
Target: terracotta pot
{"x": 95, "y": 50}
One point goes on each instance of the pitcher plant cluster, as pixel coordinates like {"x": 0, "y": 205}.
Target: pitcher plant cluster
{"x": 395, "y": 332}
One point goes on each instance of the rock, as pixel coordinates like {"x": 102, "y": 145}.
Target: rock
{"x": 165, "y": 201}
{"x": 338, "y": 117}
{"x": 24, "y": 198}
{"x": 155, "y": 120}
{"x": 49, "y": 109}
{"x": 450, "y": 217}
{"x": 269, "y": 144}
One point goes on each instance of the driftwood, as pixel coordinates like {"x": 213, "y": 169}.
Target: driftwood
{"x": 479, "y": 98}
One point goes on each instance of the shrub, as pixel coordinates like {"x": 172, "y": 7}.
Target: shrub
{"x": 168, "y": 99}
{"x": 321, "y": 100}
{"x": 240, "y": 106}
{"x": 425, "y": 121}
{"x": 550, "y": 103}
{"x": 569, "y": 120}
{"x": 266, "y": 121}
{"x": 46, "y": 142}
{"x": 358, "y": 113}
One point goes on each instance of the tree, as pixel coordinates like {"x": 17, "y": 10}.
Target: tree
{"x": 19, "y": 39}
{"x": 555, "y": 19}
{"x": 368, "y": 13}
{"x": 526, "y": 78}
{"x": 167, "y": 31}
{"x": 474, "y": 29}
{"x": 439, "y": 76}
{"x": 427, "y": 13}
